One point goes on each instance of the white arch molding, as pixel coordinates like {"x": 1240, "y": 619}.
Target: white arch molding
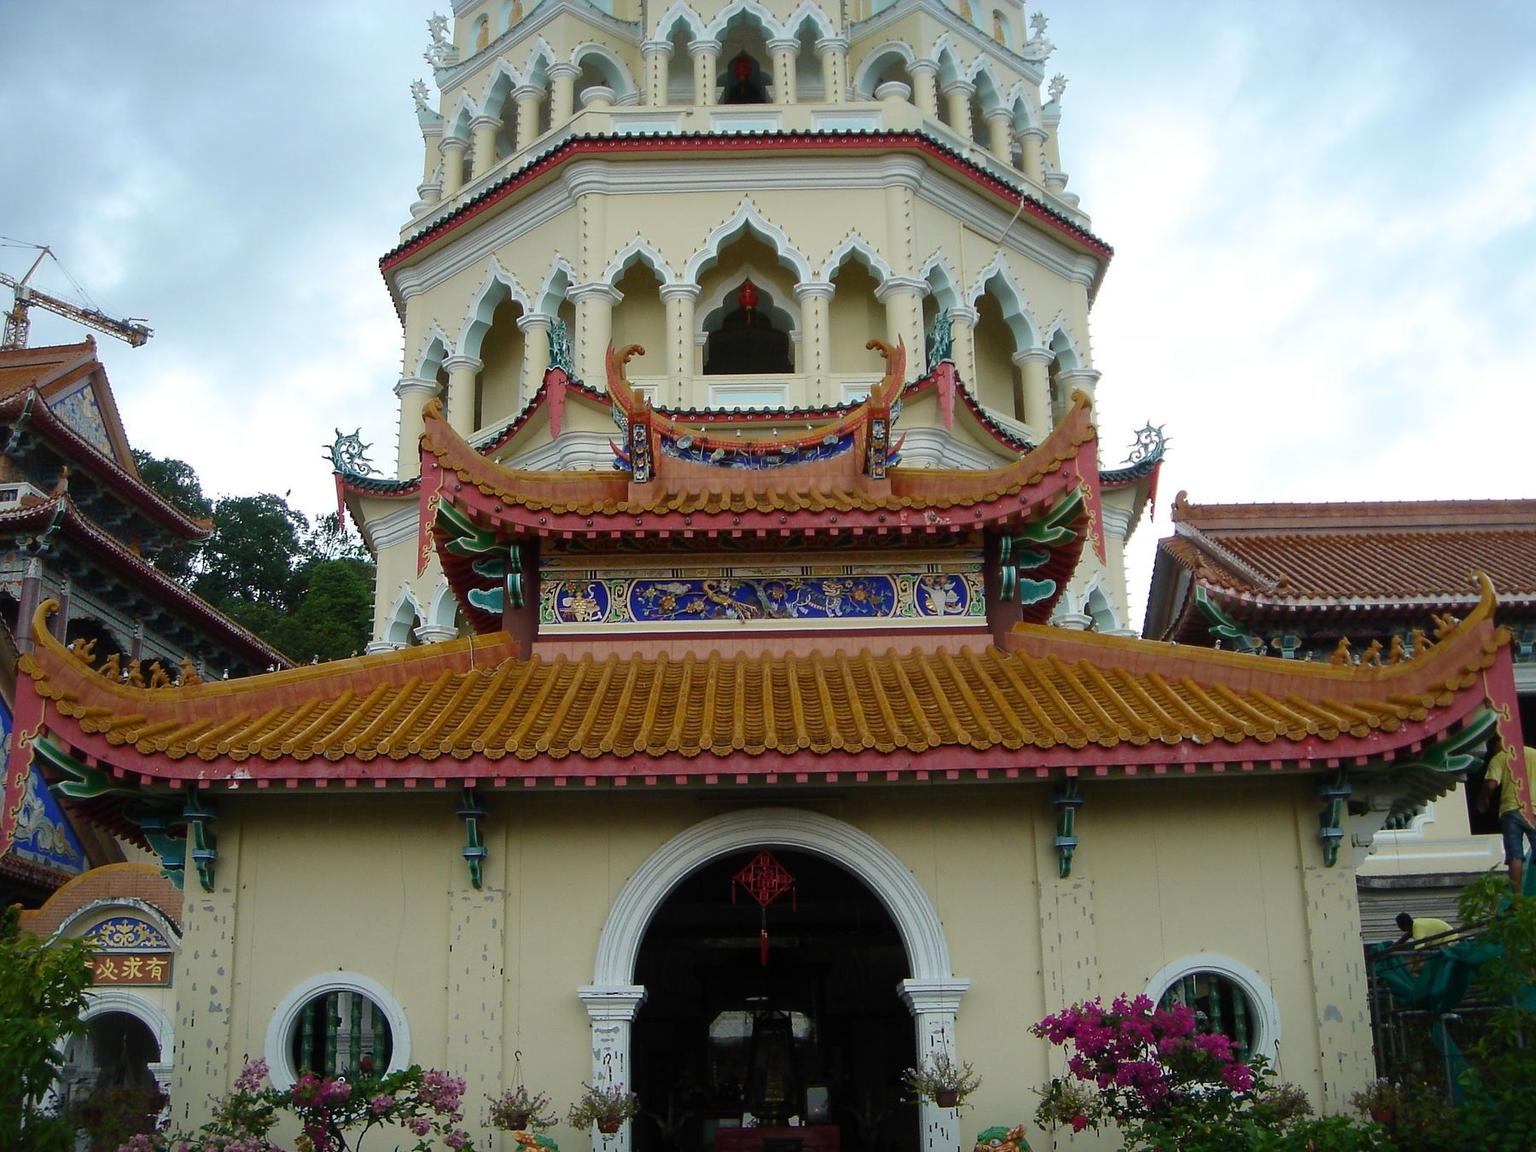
{"x": 932, "y": 993}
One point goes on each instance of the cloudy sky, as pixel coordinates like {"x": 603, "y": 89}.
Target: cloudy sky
{"x": 1324, "y": 217}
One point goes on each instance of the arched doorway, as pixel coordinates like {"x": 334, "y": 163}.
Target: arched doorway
{"x": 810, "y": 1031}
{"x": 112, "y": 1080}
{"x": 931, "y": 993}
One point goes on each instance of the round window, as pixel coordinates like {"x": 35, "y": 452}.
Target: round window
{"x": 1220, "y": 1004}
{"x": 340, "y": 1033}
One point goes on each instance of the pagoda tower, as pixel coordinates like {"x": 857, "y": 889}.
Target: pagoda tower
{"x": 750, "y": 193}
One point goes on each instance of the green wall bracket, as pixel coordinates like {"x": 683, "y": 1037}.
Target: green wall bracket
{"x": 1067, "y": 799}
{"x": 171, "y": 848}
{"x": 1335, "y": 792}
{"x": 471, "y": 811}
{"x": 200, "y": 819}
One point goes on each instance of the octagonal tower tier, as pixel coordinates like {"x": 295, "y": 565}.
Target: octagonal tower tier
{"x": 750, "y": 192}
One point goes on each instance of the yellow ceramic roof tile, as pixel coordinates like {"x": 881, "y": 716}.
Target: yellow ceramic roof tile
{"x": 465, "y": 701}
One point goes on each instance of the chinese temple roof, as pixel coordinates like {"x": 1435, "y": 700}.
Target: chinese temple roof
{"x": 36, "y": 523}
{"x": 1371, "y": 557}
{"x": 33, "y": 384}
{"x": 1049, "y": 703}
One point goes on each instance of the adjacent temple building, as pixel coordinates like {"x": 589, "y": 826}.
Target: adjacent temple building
{"x": 752, "y": 711}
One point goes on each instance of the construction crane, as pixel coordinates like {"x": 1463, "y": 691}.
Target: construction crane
{"x": 17, "y": 322}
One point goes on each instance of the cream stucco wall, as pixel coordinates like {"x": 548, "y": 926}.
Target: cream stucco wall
{"x": 376, "y": 886}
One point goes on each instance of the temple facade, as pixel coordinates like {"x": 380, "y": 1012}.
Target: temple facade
{"x": 750, "y": 714}
{"x": 1351, "y": 583}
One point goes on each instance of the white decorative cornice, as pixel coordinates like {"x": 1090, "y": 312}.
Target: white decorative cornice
{"x": 462, "y": 360}
{"x": 596, "y": 290}
{"x": 529, "y": 321}
{"x": 890, "y": 284}
{"x": 680, "y": 291}
{"x": 414, "y": 386}
{"x": 1033, "y": 356}
{"x": 702, "y": 47}
{"x": 827, "y": 44}
{"x": 964, "y": 314}
{"x": 814, "y": 290}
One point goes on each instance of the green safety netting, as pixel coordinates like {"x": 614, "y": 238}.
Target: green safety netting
{"x": 1436, "y": 980}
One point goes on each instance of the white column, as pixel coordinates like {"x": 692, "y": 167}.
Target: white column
{"x": 958, "y": 94}
{"x": 1034, "y": 365}
{"x": 679, "y": 299}
{"x": 414, "y": 392}
{"x": 594, "y": 329}
{"x": 611, "y": 1010}
{"x": 999, "y": 138}
{"x": 462, "y": 371}
{"x": 453, "y": 150}
{"x": 527, "y": 98}
{"x": 562, "y": 83}
{"x": 925, "y": 86}
{"x": 599, "y": 97}
{"x": 895, "y": 99}
{"x": 1085, "y": 380}
{"x": 482, "y": 131}
{"x": 1031, "y": 140}
{"x": 535, "y": 329}
{"x": 816, "y": 340}
{"x": 706, "y": 56}
{"x": 658, "y": 58}
{"x": 902, "y": 297}
{"x": 833, "y": 53}
{"x": 962, "y": 335}
{"x": 782, "y": 51}
{"x": 934, "y": 1005}
{"x": 1055, "y": 179}
{"x": 431, "y": 186}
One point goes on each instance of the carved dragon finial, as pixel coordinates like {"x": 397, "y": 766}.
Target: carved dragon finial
{"x": 83, "y": 649}
{"x": 158, "y": 676}
{"x": 111, "y": 667}
{"x": 1371, "y": 657}
{"x": 189, "y": 672}
{"x": 1341, "y": 652}
{"x": 895, "y": 358}
{"x": 433, "y": 409}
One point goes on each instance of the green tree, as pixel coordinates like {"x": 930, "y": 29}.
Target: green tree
{"x": 175, "y": 482}
{"x": 306, "y": 588}
{"x": 254, "y": 554}
{"x": 42, "y": 991}
{"x": 334, "y": 615}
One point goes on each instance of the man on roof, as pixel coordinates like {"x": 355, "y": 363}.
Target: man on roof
{"x": 1519, "y": 835}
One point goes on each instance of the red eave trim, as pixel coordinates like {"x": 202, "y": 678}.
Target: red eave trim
{"x": 766, "y": 143}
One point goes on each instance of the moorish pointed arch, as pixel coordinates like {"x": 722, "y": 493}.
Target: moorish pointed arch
{"x": 810, "y": 13}
{"x": 1024, "y": 102}
{"x": 749, "y": 11}
{"x": 496, "y": 98}
{"x": 1060, "y": 340}
{"x": 639, "y": 251}
{"x": 943, "y": 284}
{"x": 680, "y": 13}
{"x": 614, "y": 71}
{"x": 997, "y": 279}
{"x": 854, "y": 245}
{"x": 557, "y": 281}
{"x": 438, "y": 348}
{"x": 498, "y": 287}
{"x": 747, "y": 218}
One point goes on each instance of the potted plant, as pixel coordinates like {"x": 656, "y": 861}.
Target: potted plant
{"x": 942, "y": 1080}
{"x": 1380, "y": 1101}
{"x": 606, "y": 1105}
{"x": 518, "y": 1109}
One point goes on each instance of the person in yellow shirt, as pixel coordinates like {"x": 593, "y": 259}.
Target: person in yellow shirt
{"x": 1420, "y": 928}
{"x": 1513, "y": 823}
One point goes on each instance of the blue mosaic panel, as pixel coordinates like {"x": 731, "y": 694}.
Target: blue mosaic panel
{"x": 43, "y": 835}
{"x": 81, "y": 412}
{"x": 787, "y": 596}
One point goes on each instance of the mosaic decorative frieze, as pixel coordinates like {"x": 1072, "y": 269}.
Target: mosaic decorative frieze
{"x": 863, "y": 594}
{"x": 127, "y": 934}
{"x": 81, "y": 412}
{"x": 755, "y": 455}
{"x": 40, "y": 835}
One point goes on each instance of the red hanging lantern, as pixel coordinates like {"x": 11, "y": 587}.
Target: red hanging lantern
{"x": 747, "y": 298}
{"x": 765, "y": 880}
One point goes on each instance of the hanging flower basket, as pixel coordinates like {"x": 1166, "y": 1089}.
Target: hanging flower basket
{"x": 946, "y": 1097}
{"x": 606, "y": 1106}
{"x": 608, "y": 1125}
